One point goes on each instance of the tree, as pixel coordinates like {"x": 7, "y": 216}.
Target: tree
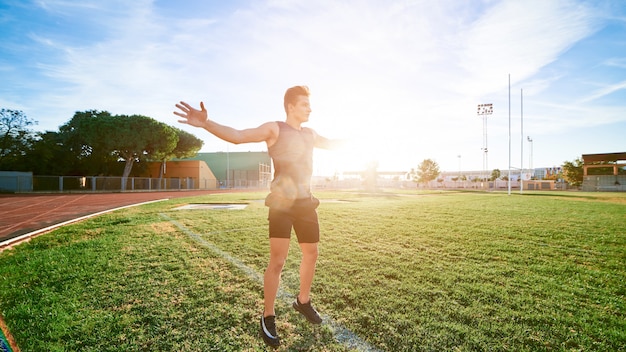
{"x": 48, "y": 155}
{"x": 573, "y": 172}
{"x": 495, "y": 174}
{"x": 91, "y": 143}
{"x": 85, "y": 139}
{"x": 187, "y": 146}
{"x": 97, "y": 139}
{"x": 427, "y": 171}
{"x": 95, "y": 142}
{"x": 15, "y": 138}
{"x": 139, "y": 138}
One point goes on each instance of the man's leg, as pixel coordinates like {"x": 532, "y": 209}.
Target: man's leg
{"x": 279, "y": 248}
{"x": 307, "y": 270}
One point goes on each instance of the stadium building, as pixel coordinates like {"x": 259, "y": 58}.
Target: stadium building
{"x": 238, "y": 169}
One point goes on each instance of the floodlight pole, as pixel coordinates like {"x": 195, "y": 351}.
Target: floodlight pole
{"x": 521, "y": 172}
{"x": 509, "y": 180}
{"x": 484, "y": 110}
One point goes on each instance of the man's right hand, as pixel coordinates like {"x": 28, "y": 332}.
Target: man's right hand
{"x": 191, "y": 116}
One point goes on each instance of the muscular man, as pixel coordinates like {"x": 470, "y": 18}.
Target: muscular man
{"x": 290, "y": 202}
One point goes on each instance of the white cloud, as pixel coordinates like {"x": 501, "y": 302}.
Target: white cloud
{"x": 604, "y": 91}
{"x": 403, "y": 76}
{"x": 616, "y": 62}
{"x": 521, "y": 38}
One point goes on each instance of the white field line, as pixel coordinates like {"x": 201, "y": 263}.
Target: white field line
{"x": 342, "y": 334}
{"x": 28, "y": 236}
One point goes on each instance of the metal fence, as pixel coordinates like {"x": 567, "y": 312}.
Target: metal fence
{"x": 100, "y": 184}
{"x": 604, "y": 183}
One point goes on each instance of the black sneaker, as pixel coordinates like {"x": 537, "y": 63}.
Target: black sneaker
{"x": 308, "y": 311}
{"x": 268, "y": 331}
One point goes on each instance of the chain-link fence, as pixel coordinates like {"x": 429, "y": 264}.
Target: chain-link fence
{"x": 29, "y": 183}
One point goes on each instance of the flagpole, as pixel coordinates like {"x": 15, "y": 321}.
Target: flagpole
{"x": 509, "y": 180}
{"x": 521, "y": 172}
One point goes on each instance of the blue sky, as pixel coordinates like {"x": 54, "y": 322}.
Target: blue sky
{"x": 401, "y": 80}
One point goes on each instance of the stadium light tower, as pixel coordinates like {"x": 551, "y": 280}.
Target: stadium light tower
{"x": 484, "y": 110}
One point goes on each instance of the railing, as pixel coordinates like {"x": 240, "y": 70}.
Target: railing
{"x": 100, "y": 184}
{"x": 604, "y": 183}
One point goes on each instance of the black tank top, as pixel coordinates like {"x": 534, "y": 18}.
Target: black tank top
{"x": 292, "y": 155}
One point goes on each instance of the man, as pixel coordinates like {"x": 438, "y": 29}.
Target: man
{"x": 290, "y": 202}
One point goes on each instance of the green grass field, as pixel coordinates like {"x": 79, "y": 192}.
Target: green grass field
{"x": 445, "y": 271}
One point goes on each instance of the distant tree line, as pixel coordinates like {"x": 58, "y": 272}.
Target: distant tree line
{"x": 97, "y": 143}
{"x": 92, "y": 143}
{"x": 572, "y": 173}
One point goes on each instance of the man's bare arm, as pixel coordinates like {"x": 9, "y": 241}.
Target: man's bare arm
{"x": 325, "y": 143}
{"x": 267, "y": 132}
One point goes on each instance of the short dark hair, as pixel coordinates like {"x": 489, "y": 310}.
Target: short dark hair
{"x": 292, "y": 94}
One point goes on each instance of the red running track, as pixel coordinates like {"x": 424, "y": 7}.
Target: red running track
{"x": 26, "y": 213}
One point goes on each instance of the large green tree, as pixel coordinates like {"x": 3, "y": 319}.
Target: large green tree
{"x": 85, "y": 138}
{"x": 495, "y": 174}
{"x": 48, "y": 156}
{"x": 573, "y": 172}
{"x": 16, "y": 138}
{"x": 140, "y": 138}
{"x": 427, "y": 171}
{"x": 91, "y": 143}
{"x": 97, "y": 138}
{"x": 187, "y": 146}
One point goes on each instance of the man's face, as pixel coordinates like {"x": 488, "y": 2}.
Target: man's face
{"x": 301, "y": 109}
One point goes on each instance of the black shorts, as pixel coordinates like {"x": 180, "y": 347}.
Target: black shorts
{"x": 301, "y": 215}
{"x": 304, "y": 223}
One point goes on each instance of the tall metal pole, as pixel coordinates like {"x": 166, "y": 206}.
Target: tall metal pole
{"x": 509, "y": 181}
{"x": 521, "y": 172}
{"x": 484, "y": 110}
{"x": 484, "y": 148}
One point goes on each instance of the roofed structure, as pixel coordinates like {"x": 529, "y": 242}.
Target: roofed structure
{"x": 605, "y": 160}
{"x": 239, "y": 169}
{"x": 602, "y": 180}
{"x": 605, "y": 157}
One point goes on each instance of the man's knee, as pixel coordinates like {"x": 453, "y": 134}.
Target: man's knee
{"x": 309, "y": 251}
{"x": 276, "y": 264}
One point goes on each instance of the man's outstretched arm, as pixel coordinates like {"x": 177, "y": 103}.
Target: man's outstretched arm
{"x": 325, "y": 143}
{"x": 267, "y": 132}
